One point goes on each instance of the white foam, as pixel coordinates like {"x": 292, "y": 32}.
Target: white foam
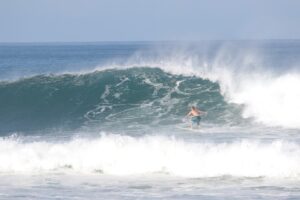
{"x": 274, "y": 101}
{"x": 124, "y": 155}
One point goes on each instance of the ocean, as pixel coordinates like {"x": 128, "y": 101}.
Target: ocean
{"x": 107, "y": 120}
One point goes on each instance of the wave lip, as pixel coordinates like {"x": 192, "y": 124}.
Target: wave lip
{"x": 125, "y": 156}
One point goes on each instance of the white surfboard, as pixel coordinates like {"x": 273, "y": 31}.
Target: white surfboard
{"x": 188, "y": 128}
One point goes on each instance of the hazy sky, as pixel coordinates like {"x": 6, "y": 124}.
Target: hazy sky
{"x": 138, "y": 20}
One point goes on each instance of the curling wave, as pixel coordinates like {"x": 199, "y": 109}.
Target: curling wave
{"x": 115, "y": 97}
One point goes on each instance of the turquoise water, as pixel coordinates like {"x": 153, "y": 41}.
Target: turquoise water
{"x": 106, "y": 120}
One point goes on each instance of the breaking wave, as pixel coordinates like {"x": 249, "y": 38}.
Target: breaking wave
{"x": 125, "y": 155}
{"x": 116, "y": 96}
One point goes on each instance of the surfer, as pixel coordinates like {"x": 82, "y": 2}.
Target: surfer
{"x": 195, "y": 115}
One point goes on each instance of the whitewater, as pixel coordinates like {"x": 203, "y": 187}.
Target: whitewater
{"x": 104, "y": 120}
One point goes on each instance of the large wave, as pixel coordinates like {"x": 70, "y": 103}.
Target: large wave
{"x": 114, "y": 97}
{"x": 125, "y": 155}
{"x": 232, "y": 84}
{"x": 266, "y": 89}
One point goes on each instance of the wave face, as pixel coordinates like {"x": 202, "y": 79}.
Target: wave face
{"x": 125, "y": 155}
{"x": 117, "y": 96}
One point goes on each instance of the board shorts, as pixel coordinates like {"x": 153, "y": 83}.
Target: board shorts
{"x": 196, "y": 120}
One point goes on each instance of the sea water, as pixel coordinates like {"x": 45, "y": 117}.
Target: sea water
{"x": 105, "y": 120}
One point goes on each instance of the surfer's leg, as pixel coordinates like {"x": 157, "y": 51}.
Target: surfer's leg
{"x": 194, "y": 122}
{"x": 198, "y": 121}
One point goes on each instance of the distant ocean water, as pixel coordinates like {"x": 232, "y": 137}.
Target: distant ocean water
{"x": 107, "y": 120}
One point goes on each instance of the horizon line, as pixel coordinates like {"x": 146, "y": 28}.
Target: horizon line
{"x": 143, "y": 41}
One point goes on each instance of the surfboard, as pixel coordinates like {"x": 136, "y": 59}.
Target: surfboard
{"x": 187, "y": 128}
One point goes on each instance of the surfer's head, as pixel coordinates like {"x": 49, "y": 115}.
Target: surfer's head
{"x": 193, "y": 107}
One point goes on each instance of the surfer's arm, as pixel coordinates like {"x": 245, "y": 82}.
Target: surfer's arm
{"x": 203, "y": 113}
{"x": 189, "y": 114}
